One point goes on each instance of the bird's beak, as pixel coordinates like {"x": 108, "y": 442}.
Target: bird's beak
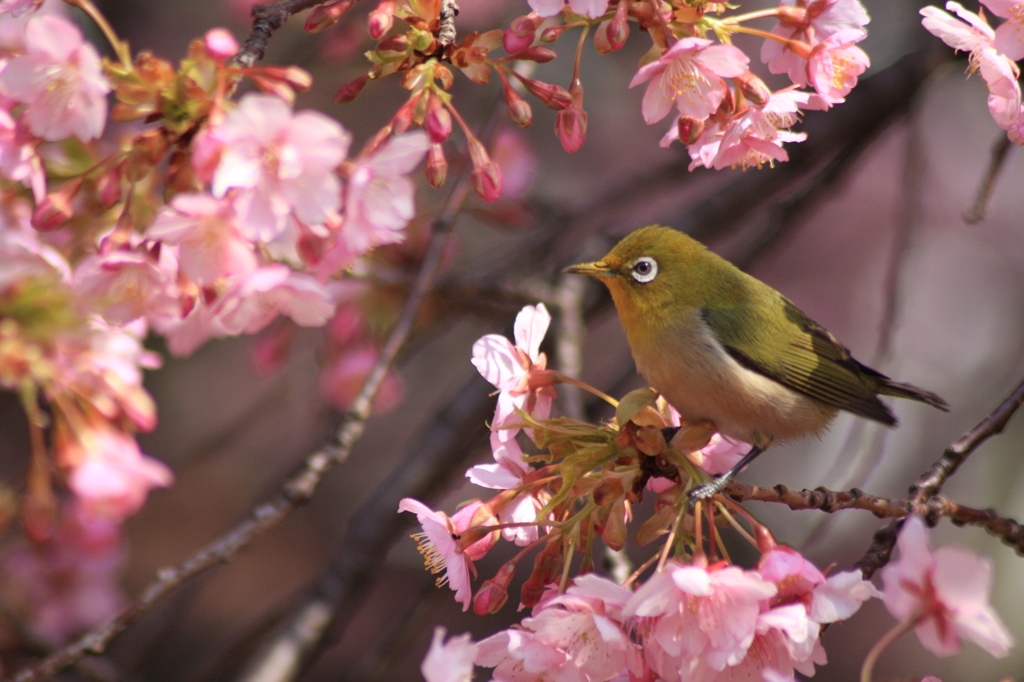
{"x": 595, "y": 269}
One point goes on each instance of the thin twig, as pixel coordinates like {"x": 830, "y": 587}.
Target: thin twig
{"x": 446, "y": 31}
{"x": 976, "y": 213}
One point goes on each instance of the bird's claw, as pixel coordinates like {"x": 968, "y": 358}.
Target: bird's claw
{"x": 707, "y": 490}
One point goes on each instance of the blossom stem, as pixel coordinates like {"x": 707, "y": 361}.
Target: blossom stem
{"x": 882, "y": 644}
{"x": 120, "y": 47}
{"x": 640, "y": 570}
{"x": 801, "y": 49}
{"x": 587, "y": 387}
{"x": 759, "y": 14}
{"x": 671, "y": 540}
{"x": 579, "y": 53}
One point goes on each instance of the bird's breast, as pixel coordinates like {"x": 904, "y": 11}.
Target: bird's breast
{"x": 688, "y": 365}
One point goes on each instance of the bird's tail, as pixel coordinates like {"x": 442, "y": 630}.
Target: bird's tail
{"x": 900, "y": 390}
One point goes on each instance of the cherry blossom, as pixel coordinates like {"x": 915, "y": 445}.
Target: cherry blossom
{"x": 517, "y": 370}
{"x": 447, "y": 547}
{"x": 60, "y": 80}
{"x": 271, "y": 290}
{"x": 550, "y": 8}
{"x": 19, "y": 158}
{"x": 278, "y": 164}
{"x": 945, "y": 591}
{"x": 379, "y": 199}
{"x": 693, "y": 613}
{"x": 689, "y": 74}
{"x": 113, "y": 478}
{"x": 450, "y": 661}
{"x": 129, "y": 284}
{"x": 209, "y": 238}
{"x": 1009, "y": 34}
{"x": 810, "y": 22}
{"x": 509, "y": 471}
{"x": 835, "y": 64}
{"x": 999, "y": 72}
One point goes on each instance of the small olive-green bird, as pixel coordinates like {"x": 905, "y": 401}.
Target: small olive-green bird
{"x": 724, "y": 347}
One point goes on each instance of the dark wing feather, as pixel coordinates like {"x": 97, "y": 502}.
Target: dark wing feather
{"x": 812, "y": 362}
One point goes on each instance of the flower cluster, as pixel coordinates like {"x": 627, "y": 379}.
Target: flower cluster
{"x": 992, "y": 52}
{"x": 688, "y": 613}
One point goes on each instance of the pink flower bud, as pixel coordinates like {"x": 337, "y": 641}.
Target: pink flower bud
{"x": 487, "y": 181}
{"x": 393, "y": 48}
{"x": 56, "y": 209}
{"x": 494, "y": 592}
{"x": 220, "y": 44}
{"x": 437, "y": 166}
{"x": 324, "y": 16}
{"x": 402, "y": 120}
{"x": 381, "y": 19}
{"x": 552, "y": 33}
{"x": 108, "y": 187}
{"x": 618, "y": 29}
{"x": 518, "y": 108}
{"x": 520, "y": 33}
{"x": 571, "y": 128}
{"x": 438, "y": 122}
{"x": 553, "y": 96}
{"x": 538, "y": 54}
{"x": 792, "y": 16}
{"x": 753, "y": 88}
{"x": 690, "y": 129}
{"x": 348, "y": 92}
{"x": 602, "y": 43}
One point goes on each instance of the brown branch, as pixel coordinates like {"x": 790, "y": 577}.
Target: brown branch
{"x": 266, "y": 20}
{"x": 1000, "y": 150}
{"x": 931, "y": 481}
{"x": 296, "y": 490}
{"x": 446, "y": 31}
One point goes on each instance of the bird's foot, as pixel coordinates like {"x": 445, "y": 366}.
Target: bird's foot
{"x": 708, "y": 490}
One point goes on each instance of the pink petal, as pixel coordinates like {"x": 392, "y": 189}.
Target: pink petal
{"x": 530, "y": 327}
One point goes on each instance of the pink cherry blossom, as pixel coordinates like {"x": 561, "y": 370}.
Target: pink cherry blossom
{"x": 576, "y": 636}
{"x": 810, "y": 22}
{"x": 945, "y": 591}
{"x": 379, "y": 199}
{"x": 974, "y": 35}
{"x": 550, "y": 8}
{"x": 60, "y": 80}
{"x": 114, "y": 478}
{"x": 19, "y": 158}
{"x": 19, "y": 7}
{"x": 278, "y": 164}
{"x": 271, "y": 290}
{"x": 125, "y": 285}
{"x": 208, "y": 236}
{"x": 689, "y": 74}
{"x": 1009, "y": 34}
{"x": 509, "y": 471}
{"x": 450, "y": 661}
{"x": 517, "y": 370}
{"x": 720, "y": 454}
{"x": 835, "y": 64}
{"x": 695, "y": 613}
{"x": 443, "y": 546}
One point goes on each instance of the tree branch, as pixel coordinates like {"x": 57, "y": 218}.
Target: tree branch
{"x": 266, "y": 20}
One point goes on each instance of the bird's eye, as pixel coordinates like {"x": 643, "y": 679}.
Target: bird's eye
{"x": 644, "y": 269}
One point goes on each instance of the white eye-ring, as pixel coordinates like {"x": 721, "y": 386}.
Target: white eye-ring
{"x": 644, "y": 269}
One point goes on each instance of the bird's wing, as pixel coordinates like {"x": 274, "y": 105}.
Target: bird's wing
{"x": 802, "y": 355}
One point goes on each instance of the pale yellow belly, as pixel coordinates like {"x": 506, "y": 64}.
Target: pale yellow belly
{"x": 695, "y": 374}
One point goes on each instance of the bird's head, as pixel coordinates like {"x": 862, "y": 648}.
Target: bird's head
{"x": 654, "y": 274}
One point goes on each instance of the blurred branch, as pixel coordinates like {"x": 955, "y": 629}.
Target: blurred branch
{"x": 296, "y": 490}
{"x": 446, "y": 31}
{"x": 1000, "y": 150}
{"x": 266, "y": 20}
{"x": 930, "y": 483}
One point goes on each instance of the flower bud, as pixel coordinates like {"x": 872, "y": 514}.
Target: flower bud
{"x": 618, "y": 28}
{"x": 494, "y": 592}
{"x": 153, "y": 144}
{"x": 56, "y": 209}
{"x": 571, "y": 128}
{"x": 690, "y": 129}
{"x": 324, "y": 16}
{"x": 348, "y": 92}
{"x": 108, "y": 187}
{"x": 393, "y": 48}
{"x": 519, "y": 109}
{"x": 520, "y": 33}
{"x": 486, "y": 181}
{"x": 546, "y": 569}
{"x": 220, "y": 44}
{"x": 552, "y": 33}
{"x": 437, "y": 166}
{"x": 602, "y": 43}
{"x": 553, "y": 96}
{"x": 381, "y": 19}
{"x": 753, "y": 88}
{"x": 538, "y": 54}
{"x": 438, "y": 122}
{"x": 791, "y": 16}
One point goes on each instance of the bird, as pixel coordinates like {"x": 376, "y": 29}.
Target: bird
{"x": 723, "y": 347}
